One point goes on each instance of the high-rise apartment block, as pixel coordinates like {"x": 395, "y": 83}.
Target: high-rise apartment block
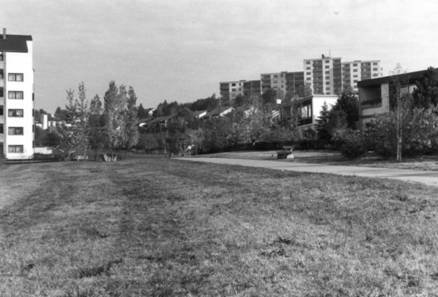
{"x": 286, "y": 82}
{"x": 231, "y": 89}
{"x": 252, "y": 88}
{"x": 323, "y": 75}
{"x": 358, "y": 70}
{"x": 16, "y": 96}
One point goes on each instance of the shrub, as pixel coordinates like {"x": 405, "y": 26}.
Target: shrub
{"x": 353, "y": 145}
{"x": 419, "y": 132}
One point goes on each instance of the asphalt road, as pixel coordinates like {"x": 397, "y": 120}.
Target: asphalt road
{"x": 429, "y": 178}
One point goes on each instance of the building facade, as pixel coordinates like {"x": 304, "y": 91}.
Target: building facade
{"x": 355, "y": 71}
{"x": 323, "y": 75}
{"x": 375, "y": 94}
{"x": 252, "y": 88}
{"x": 283, "y": 82}
{"x": 309, "y": 109}
{"x": 16, "y": 96}
{"x": 231, "y": 89}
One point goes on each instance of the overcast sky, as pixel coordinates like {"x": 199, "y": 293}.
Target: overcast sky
{"x": 180, "y": 50}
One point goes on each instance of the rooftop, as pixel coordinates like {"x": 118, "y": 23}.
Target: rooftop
{"x": 14, "y": 43}
{"x": 411, "y": 76}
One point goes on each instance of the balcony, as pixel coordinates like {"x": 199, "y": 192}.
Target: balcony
{"x": 373, "y": 102}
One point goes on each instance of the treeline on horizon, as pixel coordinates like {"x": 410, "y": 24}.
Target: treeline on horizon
{"x": 256, "y": 122}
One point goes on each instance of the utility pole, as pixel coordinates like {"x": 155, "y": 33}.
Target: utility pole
{"x": 398, "y": 122}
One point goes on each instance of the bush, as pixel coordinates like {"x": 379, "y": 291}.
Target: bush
{"x": 419, "y": 132}
{"x": 353, "y": 145}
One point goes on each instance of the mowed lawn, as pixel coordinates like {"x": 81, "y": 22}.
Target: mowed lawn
{"x": 156, "y": 227}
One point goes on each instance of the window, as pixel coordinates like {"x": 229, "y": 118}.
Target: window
{"x": 1, "y": 92}
{"x": 15, "y": 130}
{"x": 15, "y": 148}
{"x": 374, "y": 63}
{"x": 1, "y": 74}
{"x": 15, "y": 76}
{"x": 1, "y": 57}
{"x": 1, "y": 110}
{"x": 15, "y": 94}
{"x": 327, "y": 72}
{"x": 308, "y": 68}
{"x": 1, "y": 128}
{"x": 327, "y": 66}
{"x": 375, "y": 69}
{"x": 15, "y": 113}
{"x": 307, "y": 62}
{"x": 354, "y": 70}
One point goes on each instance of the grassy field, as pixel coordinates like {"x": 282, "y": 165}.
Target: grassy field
{"x": 158, "y": 227}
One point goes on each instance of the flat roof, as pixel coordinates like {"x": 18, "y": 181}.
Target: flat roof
{"x": 14, "y": 43}
{"x": 385, "y": 79}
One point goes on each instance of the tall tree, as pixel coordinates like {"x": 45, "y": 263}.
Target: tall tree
{"x": 131, "y": 119}
{"x": 112, "y": 107}
{"x": 96, "y": 126}
{"x": 74, "y": 135}
{"x": 322, "y": 124}
{"x": 142, "y": 112}
{"x": 96, "y": 105}
{"x": 347, "y": 106}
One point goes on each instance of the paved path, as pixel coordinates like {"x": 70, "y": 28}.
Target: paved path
{"x": 429, "y": 178}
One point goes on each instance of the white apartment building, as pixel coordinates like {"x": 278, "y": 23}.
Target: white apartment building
{"x": 16, "y": 96}
{"x": 358, "y": 70}
{"x": 323, "y": 75}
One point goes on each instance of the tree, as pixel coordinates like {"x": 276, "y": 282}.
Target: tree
{"x": 96, "y": 105}
{"x": 142, "y": 112}
{"x": 425, "y": 93}
{"x": 96, "y": 126}
{"x": 322, "y": 124}
{"x": 60, "y": 114}
{"x": 398, "y": 69}
{"x": 269, "y": 96}
{"x": 347, "y": 106}
{"x": 113, "y": 117}
{"x": 240, "y": 100}
{"x": 131, "y": 119}
{"x": 74, "y": 134}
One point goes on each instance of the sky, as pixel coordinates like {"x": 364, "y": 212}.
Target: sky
{"x": 181, "y": 49}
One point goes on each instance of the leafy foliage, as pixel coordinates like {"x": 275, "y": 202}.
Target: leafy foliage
{"x": 419, "y": 132}
{"x": 426, "y": 91}
{"x": 353, "y": 145}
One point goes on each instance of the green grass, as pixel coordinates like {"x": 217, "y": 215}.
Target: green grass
{"x": 159, "y": 227}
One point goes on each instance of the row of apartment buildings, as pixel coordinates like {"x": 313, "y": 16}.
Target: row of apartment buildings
{"x": 322, "y": 76}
